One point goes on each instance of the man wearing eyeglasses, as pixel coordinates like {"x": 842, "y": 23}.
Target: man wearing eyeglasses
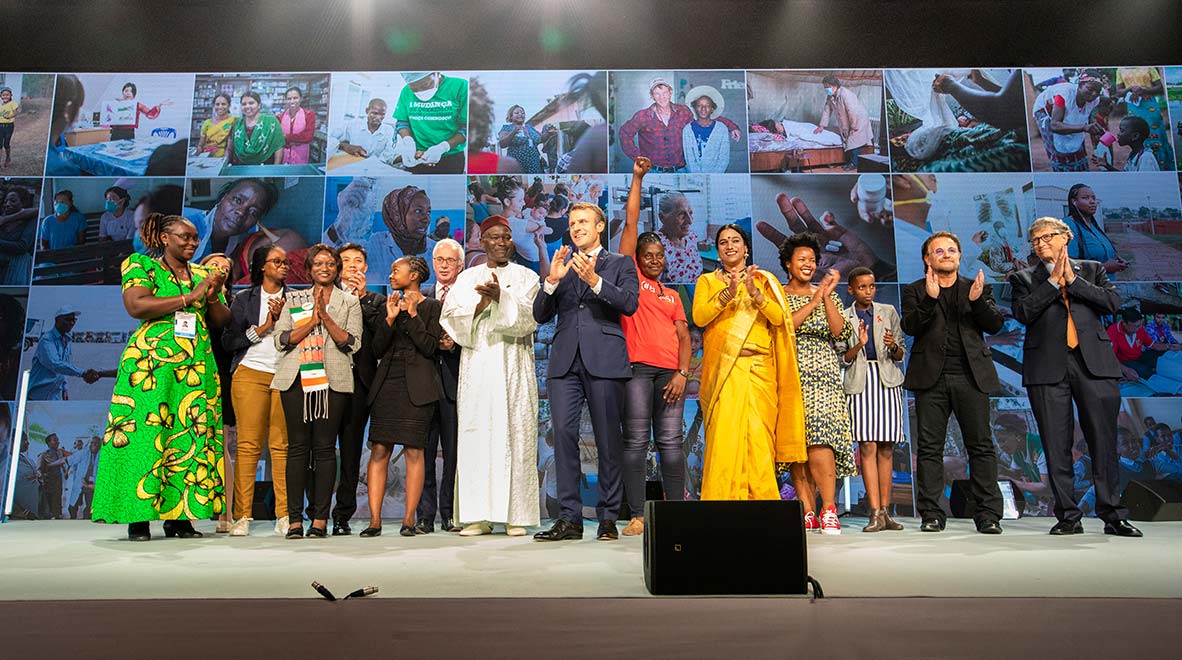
{"x": 1068, "y": 356}
{"x": 951, "y": 371}
{"x": 447, "y": 259}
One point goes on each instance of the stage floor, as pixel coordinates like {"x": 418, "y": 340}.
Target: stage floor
{"x": 68, "y": 560}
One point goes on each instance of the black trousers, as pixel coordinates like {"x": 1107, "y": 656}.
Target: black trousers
{"x": 352, "y": 440}
{"x": 311, "y": 442}
{"x": 1098, "y": 403}
{"x": 442, "y": 436}
{"x": 955, "y": 393}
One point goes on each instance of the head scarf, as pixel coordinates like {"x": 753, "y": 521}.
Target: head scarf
{"x": 395, "y": 208}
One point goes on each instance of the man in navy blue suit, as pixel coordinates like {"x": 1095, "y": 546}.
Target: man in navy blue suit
{"x": 589, "y": 290}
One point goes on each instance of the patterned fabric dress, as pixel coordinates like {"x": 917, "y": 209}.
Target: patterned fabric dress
{"x": 162, "y": 450}
{"x": 826, "y": 414}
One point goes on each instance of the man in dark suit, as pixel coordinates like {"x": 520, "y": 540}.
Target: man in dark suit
{"x": 1068, "y": 355}
{"x": 354, "y": 266}
{"x": 951, "y": 371}
{"x": 448, "y": 261}
{"x": 588, "y": 363}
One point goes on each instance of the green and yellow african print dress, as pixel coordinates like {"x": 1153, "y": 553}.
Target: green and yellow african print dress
{"x": 162, "y": 451}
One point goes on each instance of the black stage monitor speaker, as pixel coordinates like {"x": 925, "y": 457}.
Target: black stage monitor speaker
{"x": 263, "y": 506}
{"x": 698, "y": 548}
{"x": 963, "y": 504}
{"x": 1153, "y": 501}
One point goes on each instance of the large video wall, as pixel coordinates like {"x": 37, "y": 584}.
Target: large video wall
{"x": 872, "y": 160}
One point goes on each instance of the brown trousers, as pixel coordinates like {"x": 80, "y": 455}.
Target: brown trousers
{"x": 260, "y": 421}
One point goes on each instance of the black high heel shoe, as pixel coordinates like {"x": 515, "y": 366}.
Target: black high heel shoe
{"x": 181, "y": 528}
{"x": 408, "y": 530}
{"x": 317, "y": 532}
{"x": 295, "y": 532}
{"x": 370, "y": 532}
{"x": 139, "y": 531}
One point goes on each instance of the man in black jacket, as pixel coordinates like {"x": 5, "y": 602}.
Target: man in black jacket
{"x": 1068, "y": 355}
{"x": 354, "y": 265}
{"x": 448, "y": 260}
{"x": 951, "y": 371}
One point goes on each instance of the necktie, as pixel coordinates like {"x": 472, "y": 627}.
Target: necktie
{"x": 443, "y": 295}
{"x": 1072, "y": 336}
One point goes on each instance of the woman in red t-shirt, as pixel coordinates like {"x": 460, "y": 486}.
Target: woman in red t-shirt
{"x": 659, "y": 349}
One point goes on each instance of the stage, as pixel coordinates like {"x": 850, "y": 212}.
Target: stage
{"x": 77, "y": 560}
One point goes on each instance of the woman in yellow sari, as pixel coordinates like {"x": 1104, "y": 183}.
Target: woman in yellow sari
{"x": 216, "y": 130}
{"x": 750, "y": 391}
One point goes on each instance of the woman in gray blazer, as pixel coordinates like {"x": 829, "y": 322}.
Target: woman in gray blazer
{"x": 873, "y": 385}
{"x": 318, "y": 331}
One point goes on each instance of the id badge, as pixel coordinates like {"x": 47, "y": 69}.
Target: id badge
{"x": 185, "y": 325}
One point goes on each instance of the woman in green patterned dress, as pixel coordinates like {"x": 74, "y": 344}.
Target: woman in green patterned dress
{"x": 817, "y": 317}
{"x": 162, "y": 451}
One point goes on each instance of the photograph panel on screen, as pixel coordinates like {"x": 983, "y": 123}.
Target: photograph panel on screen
{"x": 957, "y": 120}
{"x": 393, "y": 216}
{"x": 13, "y": 302}
{"x": 19, "y": 210}
{"x": 684, "y": 121}
{"x": 686, "y": 211}
{"x": 58, "y": 459}
{"x": 1131, "y": 223}
{"x": 234, "y": 216}
{"x": 1173, "y": 76}
{"x": 73, "y": 339}
{"x": 1110, "y": 119}
{"x": 990, "y": 213}
{"x": 259, "y": 124}
{"x": 1145, "y": 335}
{"x": 120, "y": 124}
{"x": 538, "y": 122}
{"x": 816, "y": 121}
{"x": 538, "y": 210}
{"x": 849, "y": 213}
{"x": 89, "y": 225}
{"x": 1149, "y": 440}
{"x": 26, "y": 101}
{"x": 383, "y": 123}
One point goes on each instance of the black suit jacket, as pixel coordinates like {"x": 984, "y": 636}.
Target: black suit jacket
{"x": 244, "y": 313}
{"x": 446, "y": 362}
{"x": 422, "y": 380}
{"x": 365, "y": 360}
{"x": 924, "y": 319}
{"x": 1038, "y": 304}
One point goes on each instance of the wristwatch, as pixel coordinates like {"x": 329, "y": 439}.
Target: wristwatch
{"x": 684, "y": 373}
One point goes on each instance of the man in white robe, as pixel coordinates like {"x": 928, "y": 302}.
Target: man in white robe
{"x": 488, "y": 312}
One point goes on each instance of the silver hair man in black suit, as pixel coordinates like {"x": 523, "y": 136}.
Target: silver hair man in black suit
{"x": 1068, "y": 357}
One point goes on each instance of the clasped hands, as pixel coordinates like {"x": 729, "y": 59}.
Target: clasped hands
{"x": 583, "y": 265}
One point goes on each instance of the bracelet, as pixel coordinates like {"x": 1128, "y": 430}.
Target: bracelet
{"x": 184, "y": 301}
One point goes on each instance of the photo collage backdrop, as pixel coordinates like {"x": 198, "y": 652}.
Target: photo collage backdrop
{"x": 871, "y": 160}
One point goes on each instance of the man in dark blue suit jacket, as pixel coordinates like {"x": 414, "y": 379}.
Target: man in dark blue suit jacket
{"x": 1059, "y": 365}
{"x": 588, "y": 363}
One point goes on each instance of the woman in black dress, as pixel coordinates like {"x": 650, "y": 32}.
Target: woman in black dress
{"x": 407, "y": 386}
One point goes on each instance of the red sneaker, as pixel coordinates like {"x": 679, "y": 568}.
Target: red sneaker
{"x": 811, "y": 524}
{"x": 829, "y": 523}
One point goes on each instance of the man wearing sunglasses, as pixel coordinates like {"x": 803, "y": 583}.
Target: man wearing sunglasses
{"x": 1068, "y": 356}
{"x": 951, "y": 371}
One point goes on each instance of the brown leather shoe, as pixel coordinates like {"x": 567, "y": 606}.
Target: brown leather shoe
{"x": 889, "y": 522}
{"x": 635, "y": 527}
{"x": 876, "y": 521}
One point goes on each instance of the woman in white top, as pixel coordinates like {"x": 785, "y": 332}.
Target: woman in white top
{"x": 1064, "y": 114}
{"x": 117, "y": 222}
{"x": 257, "y": 407}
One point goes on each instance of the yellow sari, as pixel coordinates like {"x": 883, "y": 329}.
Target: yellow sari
{"x": 216, "y": 133}
{"x": 752, "y": 405}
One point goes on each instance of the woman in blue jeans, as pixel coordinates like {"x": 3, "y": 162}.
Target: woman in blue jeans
{"x": 659, "y": 349}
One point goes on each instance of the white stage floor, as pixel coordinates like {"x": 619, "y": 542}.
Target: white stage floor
{"x": 71, "y": 560}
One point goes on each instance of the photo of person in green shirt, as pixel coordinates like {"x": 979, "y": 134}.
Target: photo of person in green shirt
{"x": 432, "y": 123}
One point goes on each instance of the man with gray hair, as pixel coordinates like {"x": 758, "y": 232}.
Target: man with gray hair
{"x": 447, "y": 258}
{"x": 1067, "y": 356}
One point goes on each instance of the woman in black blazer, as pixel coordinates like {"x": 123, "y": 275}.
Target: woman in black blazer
{"x": 407, "y": 385}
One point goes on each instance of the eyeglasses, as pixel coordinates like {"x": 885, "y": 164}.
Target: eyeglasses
{"x": 446, "y": 261}
{"x": 185, "y": 238}
{"x": 951, "y": 252}
{"x": 1045, "y": 238}
{"x": 280, "y": 262}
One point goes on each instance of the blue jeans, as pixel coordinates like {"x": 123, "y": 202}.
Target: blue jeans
{"x": 644, "y": 409}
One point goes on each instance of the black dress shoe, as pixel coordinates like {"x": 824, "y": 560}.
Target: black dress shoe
{"x": 932, "y": 525}
{"x": 139, "y": 531}
{"x": 370, "y": 532}
{"x": 563, "y": 530}
{"x": 341, "y": 528}
{"x": 424, "y": 527}
{"x": 408, "y": 530}
{"x": 607, "y": 531}
{"x": 989, "y": 527}
{"x": 1067, "y": 527}
{"x": 448, "y": 526}
{"x": 180, "y": 528}
{"x": 296, "y": 532}
{"x": 317, "y": 533}
{"x": 1122, "y": 528}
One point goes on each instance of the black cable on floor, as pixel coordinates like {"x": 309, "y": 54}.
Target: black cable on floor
{"x": 818, "y": 592}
